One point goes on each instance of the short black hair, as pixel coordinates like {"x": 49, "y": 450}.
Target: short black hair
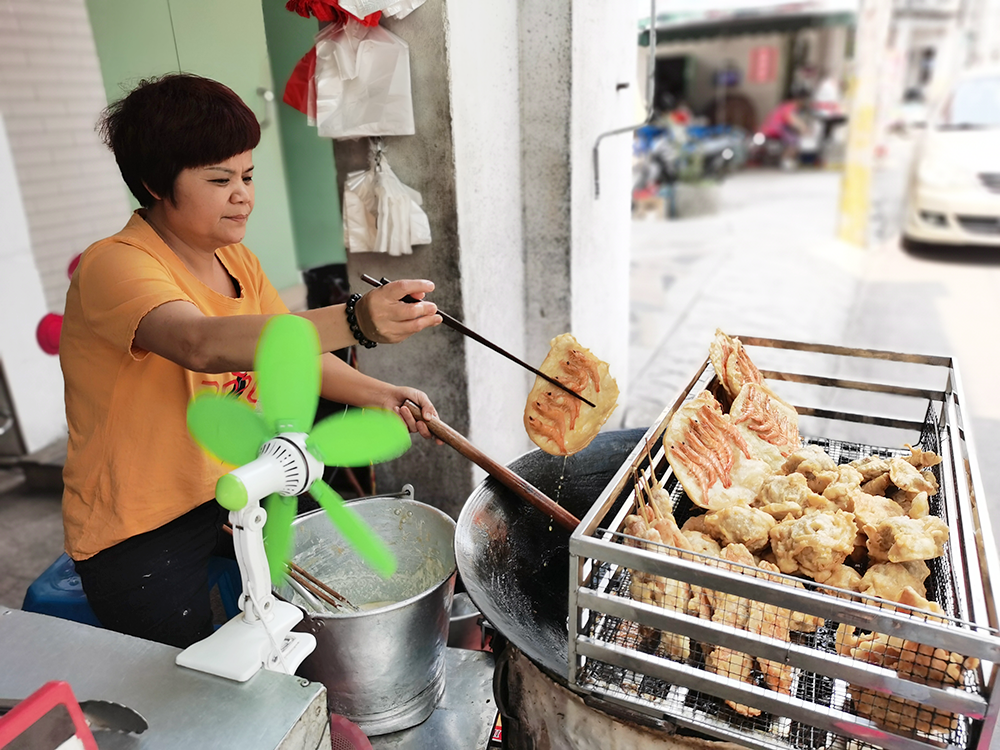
{"x": 171, "y": 123}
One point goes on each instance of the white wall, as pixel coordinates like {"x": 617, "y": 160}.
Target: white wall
{"x": 482, "y": 43}
{"x": 33, "y": 377}
{"x": 51, "y": 95}
{"x": 603, "y": 99}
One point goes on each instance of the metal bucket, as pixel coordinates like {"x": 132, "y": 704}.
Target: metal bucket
{"x": 383, "y": 667}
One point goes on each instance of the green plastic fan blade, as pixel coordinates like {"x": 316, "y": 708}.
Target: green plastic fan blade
{"x": 358, "y": 534}
{"x": 288, "y": 371}
{"x": 359, "y": 437}
{"x": 228, "y": 429}
{"x": 278, "y": 534}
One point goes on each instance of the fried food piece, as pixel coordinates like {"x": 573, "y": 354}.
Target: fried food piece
{"x": 734, "y": 611}
{"x": 843, "y": 489}
{"x": 702, "y": 543}
{"x": 841, "y": 577}
{"x": 902, "y": 539}
{"x": 919, "y": 662}
{"x": 710, "y": 457}
{"x": 870, "y": 467}
{"x": 660, "y": 591}
{"x": 815, "y": 543}
{"x": 920, "y": 458}
{"x": 814, "y": 464}
{"x": 732, "y": 364}
{"x": 735, "y": 665}
{"x": 782, "y": 496}
{"x": 907, "y": 478}
{"x": 773, "y": 622}
{"x": 871, "y": 510}
{"x": 769, "y": 425}
{"x": 695, "y": 523}
{"x": 740, "y": 524}
{"x": 914, "y": 504}
{"x": 555, "y": 421}
{"x": 888, "y": 580}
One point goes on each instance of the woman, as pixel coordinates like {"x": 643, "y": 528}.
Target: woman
{"x": 170, "y": 305}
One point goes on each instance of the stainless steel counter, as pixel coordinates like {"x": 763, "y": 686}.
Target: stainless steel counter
{"x": 464, "y": 716}
{"x": 185, "y": 709}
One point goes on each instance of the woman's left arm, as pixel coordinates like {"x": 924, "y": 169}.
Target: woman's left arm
{"x": 346, "y": 385}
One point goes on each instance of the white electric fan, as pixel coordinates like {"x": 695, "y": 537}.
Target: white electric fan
{"x": 279, "y": 457}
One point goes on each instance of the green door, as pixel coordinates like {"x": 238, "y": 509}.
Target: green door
{"x": 219, "y": 39}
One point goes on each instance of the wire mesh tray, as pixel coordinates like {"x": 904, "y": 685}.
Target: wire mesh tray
{"x": 781, "y": 661}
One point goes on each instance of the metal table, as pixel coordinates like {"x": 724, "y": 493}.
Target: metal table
{"x": 463, "y": 718}
{"x": 185, "y": 709}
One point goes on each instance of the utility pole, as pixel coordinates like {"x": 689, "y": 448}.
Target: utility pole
{"x": 871, "y": 37}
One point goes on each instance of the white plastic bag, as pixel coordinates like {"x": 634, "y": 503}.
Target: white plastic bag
{"x": 362, "y": 82}
{"x": 381, "y": 214}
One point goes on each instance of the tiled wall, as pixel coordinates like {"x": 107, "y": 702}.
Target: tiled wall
{"x": 51, "y": 95}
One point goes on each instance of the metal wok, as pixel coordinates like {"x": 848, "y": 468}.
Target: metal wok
{"x": 514, "y": 561}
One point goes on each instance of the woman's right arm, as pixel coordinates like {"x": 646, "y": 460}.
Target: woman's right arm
{"x": 180, "y": 332}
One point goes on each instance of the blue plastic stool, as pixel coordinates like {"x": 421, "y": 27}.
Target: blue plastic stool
{"x": 59, "y": 593}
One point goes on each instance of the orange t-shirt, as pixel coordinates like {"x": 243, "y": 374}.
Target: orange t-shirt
{"x": 131, "y": 464}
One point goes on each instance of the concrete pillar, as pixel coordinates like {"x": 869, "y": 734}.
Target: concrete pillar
{"x": 509, "y": 99}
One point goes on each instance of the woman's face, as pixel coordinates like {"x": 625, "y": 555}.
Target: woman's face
{"x": 212, "y": 204}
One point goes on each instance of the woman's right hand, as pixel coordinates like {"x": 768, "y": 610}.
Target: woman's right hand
{"x": 386, "y": 319}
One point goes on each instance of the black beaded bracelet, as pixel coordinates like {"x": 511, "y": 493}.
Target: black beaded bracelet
{"x": 352, "y": 321}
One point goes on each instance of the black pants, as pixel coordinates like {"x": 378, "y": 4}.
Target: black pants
{"x": 155, "y": 585}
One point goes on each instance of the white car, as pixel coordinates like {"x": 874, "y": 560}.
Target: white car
{"x": 953, "y": 196}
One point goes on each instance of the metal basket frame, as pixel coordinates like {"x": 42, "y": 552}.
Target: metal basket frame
{"x": 596, "y": 551}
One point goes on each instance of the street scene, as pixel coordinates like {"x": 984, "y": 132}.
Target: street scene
{"x": 703, "y": 455}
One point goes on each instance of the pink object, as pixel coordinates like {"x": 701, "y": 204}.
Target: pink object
{"x": 346, "y": 735}
{"x": 73, "y": 264}
{"x": 47, "y": 333}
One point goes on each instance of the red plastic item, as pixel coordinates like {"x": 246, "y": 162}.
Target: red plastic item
{"x": 48, "y": 331}
{"x": 46, "y": 720}
{"x": 346, "y": 735}
{"x": 73, "y": 264}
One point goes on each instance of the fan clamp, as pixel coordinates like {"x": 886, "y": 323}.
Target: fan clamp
{"x": 262, "y": 636}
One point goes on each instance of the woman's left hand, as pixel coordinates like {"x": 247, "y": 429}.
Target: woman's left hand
{"x": 401, "y": 394}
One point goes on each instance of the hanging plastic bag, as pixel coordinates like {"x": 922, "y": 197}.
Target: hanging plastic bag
{"x": 381, "y": 214}
{"x": 391, "y": 8}
{"x": 362, "y": 82}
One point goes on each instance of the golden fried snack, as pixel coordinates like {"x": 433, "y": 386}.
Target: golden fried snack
{"x": 902, "y": 539}
{"x": 815, "y": 543}
{"x": 870, "y": 467}
{"x": 740, "y": 524}
{"x": 841, "y": 577}
{"x": 702, "y": 543}
{"x": 555, "y": 421}
{"x": 814, "y": 464}
{"x": 871, "y": 510}
{"x": 922, "y": 459}
{"x": 769, "y": 425}
{"x": 773, "y": 622}
{"x": 919, "y": 662}
{"x": 710, "y": 457}
{"x": 732, "y": 364}
{"x": 888, "y": 580}
{"x": 907, "y": 478}
{"x": 843, "y": 489}
{"x": 735, "y": 665}
{"x": 783, "y": 496}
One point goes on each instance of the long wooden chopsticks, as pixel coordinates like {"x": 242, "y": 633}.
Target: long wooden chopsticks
{"x": 311, "y": 583}
{"x": 465, "y": 330}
